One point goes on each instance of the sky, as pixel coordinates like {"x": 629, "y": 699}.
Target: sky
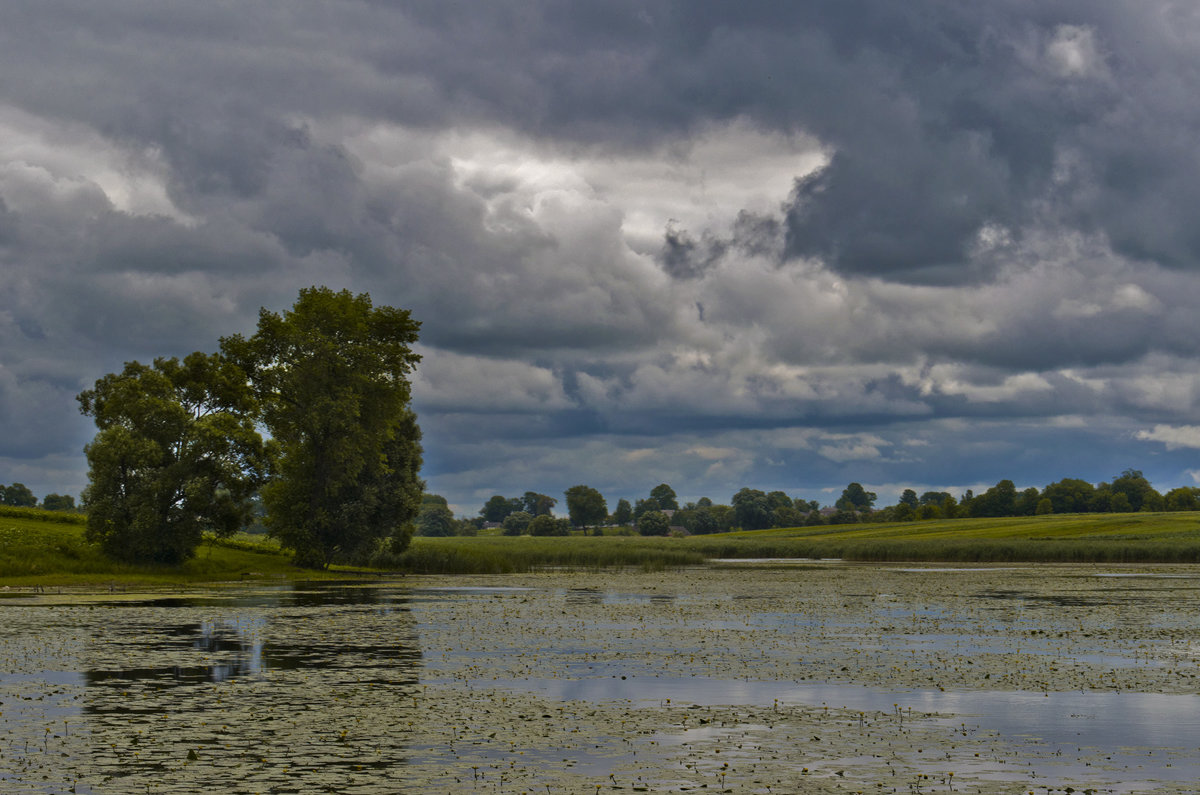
{"x": 925, "y": 245}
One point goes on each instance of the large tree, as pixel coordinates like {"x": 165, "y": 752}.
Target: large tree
{"x": 654, "y": 523}
{"x": 856, "y": 498}
{"x": 752, "y": 509}
{"x": 435, "y": 517}
{"x": 586, "y": 506}
{"x": 177, "y": 454}
{"x": 665, "y": 496}
{"x": 498, "y": 508}
{"x": 536, "y": 504}
{"x": 18, "y": 495}
{"x": 58, "y": 502}
{"x": 332, "y": 378}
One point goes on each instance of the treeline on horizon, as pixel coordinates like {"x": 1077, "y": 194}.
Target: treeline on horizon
{"x": 660, "y": 513}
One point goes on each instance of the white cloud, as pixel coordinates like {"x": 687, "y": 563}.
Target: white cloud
{"x": 47, "y": 162}
{"x": 1073, "y": 52}
{"x": 1173, "y": 436}
{"x": 446, "y": 381}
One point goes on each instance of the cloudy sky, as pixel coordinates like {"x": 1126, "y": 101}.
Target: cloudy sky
{"x": 785, "y": 245}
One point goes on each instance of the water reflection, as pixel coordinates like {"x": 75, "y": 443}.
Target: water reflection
{"x": 286, "y": 629}
{"x": 1075, "y": 723}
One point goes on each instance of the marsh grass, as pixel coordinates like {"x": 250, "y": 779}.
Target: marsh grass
{"x": 502, "y": 555}
{"x": 48, "y": 548}
{"x": 1077, "y": 538}
{"x": 1081, "y": 538}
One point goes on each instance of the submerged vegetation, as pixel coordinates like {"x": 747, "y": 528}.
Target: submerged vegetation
{"x": 49, "y": 547}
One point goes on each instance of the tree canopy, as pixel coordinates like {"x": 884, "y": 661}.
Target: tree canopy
{"x": 665, "y": 496}
{"x": 654, "y": 523}
{"x": 586, "y": 506}
{"x": 18, "y": 495}
{"x": 536, "y": 504}
{"x": 856, "y": 498}
{"x": 331, "y": 375}
{"x": 623, "y": 513}
{"x": 177, "y": 454}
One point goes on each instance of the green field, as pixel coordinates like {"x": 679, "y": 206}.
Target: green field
{"x": 1115, "y": 538}
{"x": 47, "y": 548}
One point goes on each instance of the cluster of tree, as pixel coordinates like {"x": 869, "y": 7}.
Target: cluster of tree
{"x": 18, "y": 495}
{"x": 752, "y": 509}
{"x": 435, "y": 519}
{"x": 499, "y": 508}
{"x": 179, "y": 453}
{"x": 1126, "y": 493}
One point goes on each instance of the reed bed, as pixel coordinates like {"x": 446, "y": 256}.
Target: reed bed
{"x": 503, "y": 555}
{"x": 44, "y": 547}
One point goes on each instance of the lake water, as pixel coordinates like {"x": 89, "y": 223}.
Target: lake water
{"x": 832, "y": 677}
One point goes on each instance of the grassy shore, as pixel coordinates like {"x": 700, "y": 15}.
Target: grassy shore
{"x": 47, "y": 548}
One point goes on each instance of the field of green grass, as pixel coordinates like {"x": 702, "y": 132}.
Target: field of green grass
{"x": 46, "y": 548}
{"x": 1113, "y": 538}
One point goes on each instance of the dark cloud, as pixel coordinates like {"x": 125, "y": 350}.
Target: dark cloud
{"x": 982, "y": 215}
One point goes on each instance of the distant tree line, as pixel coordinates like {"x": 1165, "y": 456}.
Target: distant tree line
{"x": 1128, "y": 492}
{"x": 659, "y": 513}
{"x": 18, "y": 495}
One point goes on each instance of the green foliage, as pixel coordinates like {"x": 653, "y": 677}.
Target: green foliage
{"x": 58, "y": 502}
{"x": 332, "y": 378}
{"x": 999, "y": 500}
{"x": 643, "y": 507}
{"x": 1140, "y": 495}
{"x": 1070, "y": 495}
{"x": 654, "y": 523}
{"x": 498, "y": 508}
{"x": 1184, "y": 498}
{"x": 623, "y": 513}
{"x": 665, "y": 497}
{"x": 546, "y": 525}
{"x": 517, "y": 523}
{"x": 50, "y": 548}
{"x": 177, "y": 455}
{"x": 779, "y": 499}
{"x": 435, "y": 518}
{"x": 499, "y": 555}
{"x": 586, "y": 506}
{"x": 752, "y": 510}
{"x": 855, "y": 498}
{"x": 17, "y": 495}
{"x": 697, "y": 519}
{"x": 42, "y": 515}
{"x": 538, "y": 504}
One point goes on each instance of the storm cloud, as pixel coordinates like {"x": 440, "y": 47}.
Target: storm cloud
{"x": 785, "y": 245}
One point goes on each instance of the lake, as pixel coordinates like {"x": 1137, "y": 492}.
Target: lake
{"x": 769, "y": 677}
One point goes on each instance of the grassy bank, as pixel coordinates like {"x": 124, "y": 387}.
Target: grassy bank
{"x": 41, "y": 547}
{"x": 48, "y": 548}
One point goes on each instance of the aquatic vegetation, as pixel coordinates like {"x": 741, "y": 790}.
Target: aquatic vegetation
{"x": 752, "y": 679}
